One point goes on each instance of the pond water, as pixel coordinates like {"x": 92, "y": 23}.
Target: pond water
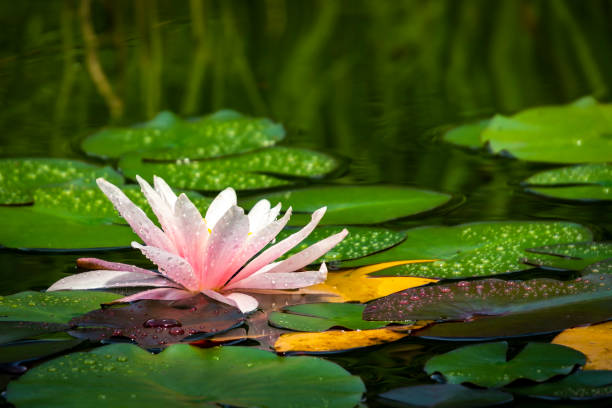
{"x": 374, "y": 83}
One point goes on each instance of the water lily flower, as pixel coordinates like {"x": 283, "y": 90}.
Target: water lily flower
{"x": 219, "y": 255}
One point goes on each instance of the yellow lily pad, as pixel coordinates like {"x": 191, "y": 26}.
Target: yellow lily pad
{"x": 593, "y": 341}
{"x": 355, "y": 285}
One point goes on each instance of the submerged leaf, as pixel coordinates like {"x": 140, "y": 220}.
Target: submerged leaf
{"x": 474, "y": 249}
{"x": 487, "y": 365}
{"x": 169, "y": 137}
{"x": 593, "y": 341}
{"x": 236, "y": 376}
{"x": 492, "y": 308}
{"x": 19, "y": 178}
{"x": 157, "y": 323}
{"x": 582, "y": 182}
{"x": 446, "y": 396}
{"x": 255, "y": 170}
{"x": 334, "y": 340}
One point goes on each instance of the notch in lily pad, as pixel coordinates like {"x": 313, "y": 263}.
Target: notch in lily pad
{"x": 574, "y": 256}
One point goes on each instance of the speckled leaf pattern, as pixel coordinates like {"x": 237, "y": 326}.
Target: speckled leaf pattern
{"x": 575, "y": 256}
{"x": 475, "y": 249}
{"x": 323, "y": 316}
{"x": 20, "y": 177}
{"x": 490, "y": 308}
{"x": 582, "y": 385}
{"x": 237, "y": 376}
{"x": 355, "y": 204}
{"x": 254, "y": 170}
{"x": 487, "y": 365}
{"x": 168, "y": 137}
{"x": 582, "y": 182}
{"x": 361, "y": 241}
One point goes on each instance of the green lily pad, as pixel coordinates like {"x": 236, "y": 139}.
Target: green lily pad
{"x": 575, "y": 133}
{"x": 583, "y": 182}
{"x": 355, "y": 204}
{"x": 582, "y": 385}
{"x": 575, "y": 256}
{"x": 487, "y": 364}
{"x": 35, "y": 349}
{"x": 51, "y": 307}
{"x": 360, "y": 241}
{"x": 494, "y": 308}
{"x": 254, "y": 170}
{"x": 185, "y": 376}
{"x": 169, "y": 137}
{"x": 323, "y": 316}
{"x": 467, "y": 135}
{"x": 20, "y": 177}
{"x": 474, "y": 249}
{"x": 446, "y": 396}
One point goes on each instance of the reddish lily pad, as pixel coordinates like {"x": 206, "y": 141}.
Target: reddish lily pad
{"x": 157, "y": 323}
{"x": 493, "y": 308}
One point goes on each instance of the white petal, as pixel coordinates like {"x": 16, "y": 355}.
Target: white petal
{"x": 274, "y": 211}
{"x": 164, "y": 190}
{"x": 101, "y": 264}
{"x": 157, "y": 294}
{"x": 134, "y": 216}
{"x": 164, "y": 213}
{"x": 283, "y": 280}
{"x": 309, "y": 255}
{"x": 275, "y": 251}
{"x": 223, "y": 202}
{"x": 109, "y": 279}
{"x": 244, "y": 302}
{"x": 172, "y": 266}
{"x": 224, "y": 243}
{"x": 258, "y": 216}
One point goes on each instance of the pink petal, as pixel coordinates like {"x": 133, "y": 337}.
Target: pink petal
{"x": 108, "y": 279}
{"x": 134, "y": 216}
{"x": 224, "y": 243}
{"x": 172, "y": 266}
{"x": 164, "y": 213}
{"x": 257, "y": 241}
{"x": 223, "y": 202}
{"x": 164, "y": 190}
{"x": 193, "y": 230}
{"x": 157, "y": 294}
{"x": 283, "y": 280}
{"x": 275, "y": 251}
{"x": 309, "y": 255}
{"x": 101, "y": 264}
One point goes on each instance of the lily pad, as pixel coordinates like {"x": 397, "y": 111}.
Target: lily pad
{"x": 587, "y": 182}
{"x": 582, "y": 385}
{"x": 467, "y": 135}
{"x": 169, "y": 137}
{"x": 487, "y": 364}
{"x": 593, "y": 341}
{"x": 575, "y": 256}
{"x": 157, "y": 323}
{"x": 446, "y": 396}
{"x": 493, "y": 308}
{"x": 361, "y": 241}
{"x": 323, "y": 316}
{"x": 255, "y": 170}
{"x": 355, "y": 204}
{"x": 51, "y": 307}
{"x": 575, "y": 133}
{"x": 236, "y": 376}
{"x": 20, "y": 177}
{"x": 475, "y": 249}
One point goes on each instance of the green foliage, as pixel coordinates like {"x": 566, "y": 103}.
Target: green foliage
{"x": 582, "y": 385}
{"x": 575, "y": 256}
{"x": 446, "y": 396}
{"x": 582, "y": 182}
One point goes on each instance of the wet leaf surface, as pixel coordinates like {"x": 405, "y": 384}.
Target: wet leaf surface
{"x": 361, "y": 241}
{"x": 488, "y": 365}
{"x": 446, "y": 396}
{"x": 334, "y": 340}
{"x": 475, "y": 249}
{"x": 323, "y": 316}
{"x": 356, "y": 285}
{"x": 20, "y": 177}
{"x": 492, "y": 308}
{"x": 236, "y": 376}
{"x": 169, "y": 137}
{"x": 594, "y": 341}
{"x": 157, "y": 323}
{"x": 355, "y": 204}
{"x": 582, "y": 182}
{"x": 272, "y": 167}
{"x": 582, "y": 385}
{"x": 575, "y": 256}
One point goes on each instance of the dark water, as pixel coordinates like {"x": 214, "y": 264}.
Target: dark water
{"x": 375, "y": 82}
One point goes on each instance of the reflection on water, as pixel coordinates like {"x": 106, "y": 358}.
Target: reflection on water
{"x": 373, "y": 81}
